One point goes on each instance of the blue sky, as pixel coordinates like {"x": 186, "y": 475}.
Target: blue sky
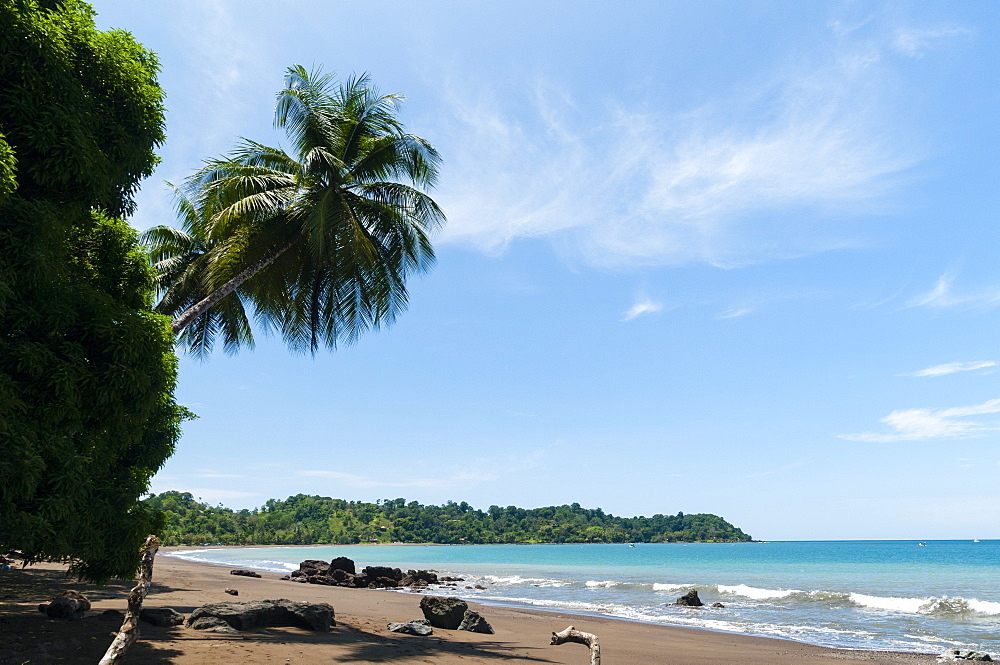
{"x": 737, "y": 258}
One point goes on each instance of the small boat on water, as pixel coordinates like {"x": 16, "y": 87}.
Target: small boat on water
{"x": 922, "y": 544}
{"x": 975, "y": 540}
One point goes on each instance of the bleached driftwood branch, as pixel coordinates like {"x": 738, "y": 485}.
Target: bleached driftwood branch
{"x": 130, "y": 626}
{"x": 571, "y": 634}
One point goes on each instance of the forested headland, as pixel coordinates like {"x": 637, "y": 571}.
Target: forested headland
{"x": 311, "y": 520}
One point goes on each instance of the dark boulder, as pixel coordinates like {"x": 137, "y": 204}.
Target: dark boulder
{"x": 311, "y": 567}
{"x": 231, "y": 592}
{"x": 415, "y": 627}
{"x": 341, "y": 576}
{"x": 420, "y": 578}
{"x": 212, "y": 625}
{"x": 443, "y": 612}
{"x": 342, "y": 563}
{"x": 161, "y": 616}
{"x": 375, "y": 572}
{"x": 383, "y": 583}
{"x": 69, "y": 604}
{"x": 264, "y": 613}
{"x": 690, "y": 599}
{"x": 718, "y": 605}
{"x": 325, "y": 580}
{"x": 244, "y": 573}
{"x": 474, "y": 622}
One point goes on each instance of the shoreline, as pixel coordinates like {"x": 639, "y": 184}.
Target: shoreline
{"x": 361, "y": 634}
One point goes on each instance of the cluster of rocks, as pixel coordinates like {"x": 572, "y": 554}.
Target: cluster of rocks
{"x": 217, "y": 617}
{"x": 959, "y": 654}
{"x": 447, "y": 613}
{"x": 343, "y": 572}
{"x": 691, "y": 599}
{"x": 233, "y": 617}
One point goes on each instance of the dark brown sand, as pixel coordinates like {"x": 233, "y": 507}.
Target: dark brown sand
{"x": 27, "y": 637}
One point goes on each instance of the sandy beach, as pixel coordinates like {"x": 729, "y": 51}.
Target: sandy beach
{"x": 360, "y": 636}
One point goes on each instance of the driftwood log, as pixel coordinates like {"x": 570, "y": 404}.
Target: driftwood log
{"x": 571, "y": 634}
{"x": 130, "y": 626}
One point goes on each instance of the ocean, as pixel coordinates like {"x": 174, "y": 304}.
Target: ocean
{"x": 876, "y": 595}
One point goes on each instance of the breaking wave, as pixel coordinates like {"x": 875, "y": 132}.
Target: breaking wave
{"x": 755, "y": 593}
{"x": 929, "y": 605}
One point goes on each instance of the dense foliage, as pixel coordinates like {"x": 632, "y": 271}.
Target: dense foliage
{"x": 87, "y": 368}
{"x": 307, "y": 520}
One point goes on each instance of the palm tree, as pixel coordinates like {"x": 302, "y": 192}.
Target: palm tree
{"x": 180, "y": 258}
{"x": 320, "y": 242}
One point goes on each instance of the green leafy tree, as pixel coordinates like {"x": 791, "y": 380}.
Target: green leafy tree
{"x": 87, "y": 368}
{"x": 320, "y": 240}
{"x": 302, "y": 519}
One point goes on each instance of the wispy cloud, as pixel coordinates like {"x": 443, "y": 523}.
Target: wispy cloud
{"x": 943, "y": 295}
{"x": 952, "y": 368}
{"x": 925, "y": 424}
{"x": 714, "y": 183}
{"x": 915, "y": 42}
{"x": 642, "y": 307}
{"x": 735, "y": 313}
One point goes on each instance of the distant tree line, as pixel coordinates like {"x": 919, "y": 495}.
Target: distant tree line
{"x": 308, "y": 520}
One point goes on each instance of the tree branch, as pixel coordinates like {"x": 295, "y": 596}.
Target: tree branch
{"x": 129, "y": 632}
{"x": 571, "y": 634}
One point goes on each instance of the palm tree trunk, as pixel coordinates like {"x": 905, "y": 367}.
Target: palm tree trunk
{"x": 209, "y": 301}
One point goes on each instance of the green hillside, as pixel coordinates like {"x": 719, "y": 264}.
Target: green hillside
{"x": 308, "y": 520}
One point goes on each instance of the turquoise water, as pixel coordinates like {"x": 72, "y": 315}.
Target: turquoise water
{"x": 880, "y": 595}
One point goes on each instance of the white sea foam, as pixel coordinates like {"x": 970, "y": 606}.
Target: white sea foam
{"x": 193, "y": 555}
{"x": 984, "y": 606}
{"x": 670, "y": 587}
{"x": 512, "y": 580}
{"x": 928, "y": 605}
{"x": 908, "y": 605}
{"x": 276, "y": 566}
{"x": 754, "y": 592}
{"x": 603, "y": 584}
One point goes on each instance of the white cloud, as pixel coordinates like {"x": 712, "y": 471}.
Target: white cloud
{"x": 951, "y": 368}
{"x": 942, "y": 295}
{"x": 641, "y": 307}
{"x": 915, "y": 42}
{"x": 736, "y": 313}
{"x": 924, "y": 424}
{"x": 724, "y": 182}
